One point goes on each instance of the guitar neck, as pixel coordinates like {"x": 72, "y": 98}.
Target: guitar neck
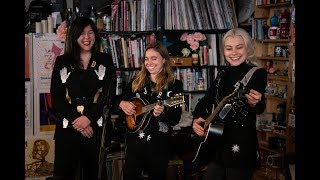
{"x": 216, "y": 110}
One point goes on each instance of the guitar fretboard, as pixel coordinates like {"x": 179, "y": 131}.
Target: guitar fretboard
{"x": 217, "y": 109}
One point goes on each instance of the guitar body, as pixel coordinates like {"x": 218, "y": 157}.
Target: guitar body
{"x": 140, "y": 119}
{"x": 206, "y": 143}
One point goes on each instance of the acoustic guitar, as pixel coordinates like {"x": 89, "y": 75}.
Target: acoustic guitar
{"x": 213, "y": 127}
{"x": 140, "y": 120}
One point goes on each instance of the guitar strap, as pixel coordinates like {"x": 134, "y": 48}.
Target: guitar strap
{"x": 245, "y": 79}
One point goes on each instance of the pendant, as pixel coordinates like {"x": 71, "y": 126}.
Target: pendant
{"x": 80, "y": 109}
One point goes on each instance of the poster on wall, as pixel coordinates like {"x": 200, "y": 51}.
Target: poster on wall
{"x": 28, "y": 120}
{"x": 27, "y": 55}
{"x": 39, "y": 157}
{"x": 45, "y": 49}
{"x": 44, "y": 116}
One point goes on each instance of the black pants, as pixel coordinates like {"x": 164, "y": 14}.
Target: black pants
{"x": 73, "y": 155}
{"x": 218, "y": 172}
{"x": 151, "y": 157}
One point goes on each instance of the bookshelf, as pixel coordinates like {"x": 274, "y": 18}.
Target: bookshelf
{"x": 171, "y": 18}
{"x": 135, "y": 23}
{"x": 275, "y": 127}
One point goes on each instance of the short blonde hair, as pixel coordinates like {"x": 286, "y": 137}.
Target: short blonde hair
{"x": 248, "y": 41}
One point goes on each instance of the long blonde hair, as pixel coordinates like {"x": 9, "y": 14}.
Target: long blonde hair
{"x": 163, "y": 78}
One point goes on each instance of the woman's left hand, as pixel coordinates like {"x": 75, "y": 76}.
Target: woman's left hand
{"x": 253, "y": 97}
{"x": 81, "y": 123}
{"x": 158, "y": 110}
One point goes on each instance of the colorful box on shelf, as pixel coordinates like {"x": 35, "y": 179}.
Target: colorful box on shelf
{"x": 180, "y": 61}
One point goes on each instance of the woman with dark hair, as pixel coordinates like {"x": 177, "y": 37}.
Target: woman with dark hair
{"x": 148, "y": 147}
{"x": 82, "y": 80}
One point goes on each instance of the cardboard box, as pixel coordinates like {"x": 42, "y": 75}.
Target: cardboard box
{"x": 180, "y": 61}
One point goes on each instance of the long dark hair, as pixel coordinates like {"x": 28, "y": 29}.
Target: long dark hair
{"x": 75, "y": 30}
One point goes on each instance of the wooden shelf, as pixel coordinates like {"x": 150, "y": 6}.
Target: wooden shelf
{"x": 276, "y": 98}
{"x": 273, "y": 58}
{"x": 271, "y": 150}
{"x": 245, "y": 24}
{"x": 274, "y": 41}
{"x": 277, "y": 77}
{"x": 126, "y": 33}
{"x": 274, "y": 5}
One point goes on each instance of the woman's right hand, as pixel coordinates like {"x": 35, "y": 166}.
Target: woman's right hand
{"x": 197, "y": 127}
{"x": 127, "y": 107}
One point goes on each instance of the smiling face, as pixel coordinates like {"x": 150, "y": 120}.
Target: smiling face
{"x": 86, "y": 39}
{"x": 153, "y": 62}
{"x": 235, "y": 50}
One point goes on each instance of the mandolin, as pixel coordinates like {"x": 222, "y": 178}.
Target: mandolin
{"x": 140, "y": 120}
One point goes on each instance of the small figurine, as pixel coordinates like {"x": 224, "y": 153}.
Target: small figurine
{"x": 185, "y": 52}
{"x": 269, "y": 67}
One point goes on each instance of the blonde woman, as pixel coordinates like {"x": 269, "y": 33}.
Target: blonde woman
{"x": 148, "y": 147}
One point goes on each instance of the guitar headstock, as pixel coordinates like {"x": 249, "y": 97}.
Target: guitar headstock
{"x": 175, "y": 100}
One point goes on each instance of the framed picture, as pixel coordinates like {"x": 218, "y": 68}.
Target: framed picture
{"x": 28, "y": 109}
{"x": 39, "y": 157}
{"x": 45, "y": 49}
{"x": 44, "y": 116}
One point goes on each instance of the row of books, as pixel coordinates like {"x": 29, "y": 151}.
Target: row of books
{"x": 199, "y": 14}
{"x": 126, "y": 51}
{"x": 195, "y": 79}
{"x": 132, "y": 15}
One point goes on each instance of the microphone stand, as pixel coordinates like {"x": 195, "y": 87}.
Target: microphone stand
{"x": 104, "y": 135}
{"x": 103, "y": 149}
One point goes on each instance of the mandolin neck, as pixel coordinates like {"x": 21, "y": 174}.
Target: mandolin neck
{"x": 148, "y": 107}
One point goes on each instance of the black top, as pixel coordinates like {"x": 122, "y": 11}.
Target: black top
{"x": 239, "y": 145}
{"x": 82, "y": 88}
{"x": 170, "y": 115}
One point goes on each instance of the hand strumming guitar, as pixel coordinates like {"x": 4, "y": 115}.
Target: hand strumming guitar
{"x": 127, "y": 107}
{"x": 197, "y": 126}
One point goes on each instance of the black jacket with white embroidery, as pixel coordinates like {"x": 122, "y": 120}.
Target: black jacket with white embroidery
{"x": 83, "y": 88}
{"x": 239, "y": 145}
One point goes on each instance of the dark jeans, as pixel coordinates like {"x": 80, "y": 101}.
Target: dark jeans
{"x": 218, "y": 172}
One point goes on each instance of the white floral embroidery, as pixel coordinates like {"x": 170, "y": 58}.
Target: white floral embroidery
{"x": 141, "y": 135}
{"x": 159, "y": 95}
{"x": 145, "y": 91}
{"x": 148, "y": 138}
{"x": 235, "y": 148}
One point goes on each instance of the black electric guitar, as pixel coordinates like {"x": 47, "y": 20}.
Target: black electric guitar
{"x": 213, "y": 128}
{"x": 140, "y": 120}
